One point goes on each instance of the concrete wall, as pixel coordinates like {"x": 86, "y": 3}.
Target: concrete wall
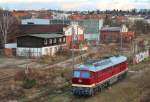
{"x": 38, "y": 52}
{"x": 28, "y": 52}
{"x": 50, "y": 51}
{"x": 11, "y": 45}
{"x": 140, "y": 57}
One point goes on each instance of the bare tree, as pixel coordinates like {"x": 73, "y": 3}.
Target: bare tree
{"x": 141, "y": 27}
{"x": 6, "y": 25}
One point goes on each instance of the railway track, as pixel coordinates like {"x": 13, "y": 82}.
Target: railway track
{"x": 46, "y": 95}
{"x": 4, "y": 77}
{"x": 43, "y": 95}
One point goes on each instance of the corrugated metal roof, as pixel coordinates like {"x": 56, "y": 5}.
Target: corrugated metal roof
{"x": 96, "y": 65}
{"x": 111, "y": 29}
{"x": 41, "y": 29}
{"x": 47, "y": 35}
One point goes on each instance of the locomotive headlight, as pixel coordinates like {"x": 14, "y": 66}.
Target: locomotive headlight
{"x": 80, "y": 81}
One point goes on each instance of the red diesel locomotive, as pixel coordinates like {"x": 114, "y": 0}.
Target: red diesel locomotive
{"x": 94, "y": 75}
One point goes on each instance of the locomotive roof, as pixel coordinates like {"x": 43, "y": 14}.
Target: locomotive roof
{"x": 100, "y": 64}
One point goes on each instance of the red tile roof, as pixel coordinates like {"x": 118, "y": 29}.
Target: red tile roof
{"x": 40, "y": 29}
{"x": 20, "y": 13}
{"x": 120, "y": 18}
{"x": 87, "y": 16}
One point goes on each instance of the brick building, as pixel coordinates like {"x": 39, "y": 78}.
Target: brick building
{"x": 115, "y": 34}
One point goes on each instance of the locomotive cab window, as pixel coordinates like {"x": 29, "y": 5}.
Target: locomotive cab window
{"x": 85, "y": 75}
{"x": 81, "y": 74}
{"x": 76, "y": 74}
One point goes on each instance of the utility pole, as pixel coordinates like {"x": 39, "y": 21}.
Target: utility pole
{"x": 73, "y": 33}
{"x": 122, "y": 30}
{"x": 121, "y": 42}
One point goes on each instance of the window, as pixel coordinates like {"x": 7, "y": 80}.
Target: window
{"x": 85, "y": 75}
{"x": 45, "y": 42}
{"x": 64, "y": 39}
{"x": 60, "y": 40}
{"x": 50, "y": 41}
{"x": 30, "y": 22}
{"x": 81, "y": 74}
{"x": 76, "y": 74}
{"x": 54, "y": 41}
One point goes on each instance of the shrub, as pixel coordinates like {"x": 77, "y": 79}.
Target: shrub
{"x": 29, "y": 83}
{"x": 65, "y": 52}
{"x": 20, "y": 75}
{"x": 145, "y": 98}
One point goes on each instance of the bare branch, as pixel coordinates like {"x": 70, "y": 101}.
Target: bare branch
{"x": 6, "y": 22}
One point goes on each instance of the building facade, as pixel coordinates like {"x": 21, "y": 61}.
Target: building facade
{"x": 37, "y": 45}
{"x": 92, "y": 29}
{"x": 60, "y": 21}
{"x": 116, "y": 34}
{"x": 76, "y": 33}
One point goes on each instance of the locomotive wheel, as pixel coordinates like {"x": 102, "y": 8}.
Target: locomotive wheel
{"x": 90, "y": 93}
{"x": 103, "y": 86}
{"x": 99, "y": 88}
{"x": 123, "y": 75}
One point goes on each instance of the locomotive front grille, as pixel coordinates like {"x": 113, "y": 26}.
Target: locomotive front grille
{"x": 81, "y": 90}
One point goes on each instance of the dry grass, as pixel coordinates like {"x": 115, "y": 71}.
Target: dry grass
{"x": 140, "y": 66}
{"x": 129, "y": 90}
{"x": 55, "y": 79}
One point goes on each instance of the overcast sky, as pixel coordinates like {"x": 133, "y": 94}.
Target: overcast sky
{"x": 75, "y": 4}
